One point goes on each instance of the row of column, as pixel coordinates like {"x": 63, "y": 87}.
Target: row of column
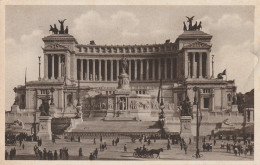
{"x": 193, "y": 65}
{"x": 61, "y": 66}
{"x": 98, "y": 76}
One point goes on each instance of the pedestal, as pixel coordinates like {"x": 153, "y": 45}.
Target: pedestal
{"x": 45, "y": 128}
{"x": 185, "y": 132}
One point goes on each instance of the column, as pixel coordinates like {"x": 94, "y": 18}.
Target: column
{"x": 117, "y": 69}
{"x": 147, "y": 69}
{"x": 105, "y": 74}
{"x": 59, "y": 67}
{"x": 111, "y": 68}
{"x": 129, "y": 69}
{"x": 99, "y": 70}
{"x": 81, "y": 69}
{"x": 45, "y": 66}
{"x": 141, "y": 72}
{"x": 208, "y": 65}
{"x": 74, "y": 65}
{"x": 194, "y": 72}
{"x": 87, "y": 76}
{"x": 135, "y": 69}
{"x": 186, "y": 64}
{"x": 171, "y": 70}
{"x": 52, "y": 61}
{"x": 153, "y": 67}
{"x": 165, "y": 69}
{"x": 159, "y": 69}
{"x": 93, "y": 70}
{"x": 67, "y": 66}
{"x": 212, "y": 102}
{"x": 200, "y": 65}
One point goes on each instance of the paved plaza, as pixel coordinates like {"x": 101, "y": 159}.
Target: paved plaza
{"x": 117, "y": 152}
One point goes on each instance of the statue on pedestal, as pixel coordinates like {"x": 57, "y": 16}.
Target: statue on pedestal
{"x": 45, "y": 107}
{"x": 124, "y": 64}
{"x": 186, "y": 108}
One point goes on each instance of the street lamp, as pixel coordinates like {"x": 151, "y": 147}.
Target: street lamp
{"x": 195, "y": 89}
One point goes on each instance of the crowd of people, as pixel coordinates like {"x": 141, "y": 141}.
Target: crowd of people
{"x": 234, "y": 146}
{"x": 237, "y": 148}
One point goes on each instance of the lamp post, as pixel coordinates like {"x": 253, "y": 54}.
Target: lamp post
{"x": 195, "y": 89}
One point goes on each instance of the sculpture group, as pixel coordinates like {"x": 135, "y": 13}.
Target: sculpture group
{"x": 55, "y": 30}
{"x": 194, "y": 27}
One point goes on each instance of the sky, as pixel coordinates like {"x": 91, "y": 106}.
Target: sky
{"x": 232, "y": 28}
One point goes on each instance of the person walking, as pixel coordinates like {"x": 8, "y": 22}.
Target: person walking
{"x": 185, "y": 147}
{"x": 55, "y": 155}
{"x": 80, "y": 152}
{"x": 6, "y": 155}
{"x": 23, "y": 146}
{"x": 113, "y": 142}
{"x": 94, "y": 140}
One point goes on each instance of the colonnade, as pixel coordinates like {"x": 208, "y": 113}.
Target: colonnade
{"x": 198, "y": 65}
{"x": 52, "y": 66}
{"x": 138, "y": 69}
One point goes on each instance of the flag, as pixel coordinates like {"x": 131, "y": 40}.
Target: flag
{"x": 224, "y": 72}
{"x": 159, "y": 92}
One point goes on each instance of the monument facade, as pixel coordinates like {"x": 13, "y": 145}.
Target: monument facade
{"x": 119, "y": 83}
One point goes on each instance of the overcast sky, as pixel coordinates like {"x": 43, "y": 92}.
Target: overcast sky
{"x": 232, "y": 28}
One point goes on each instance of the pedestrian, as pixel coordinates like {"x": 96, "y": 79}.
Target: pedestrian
{"x": 113, "y": 142}
{"x": 80, "y": 152}
{"x": 100, "y": 139}
{"x": 181, "y": 145}
{"x": 40, "y": 154}
{"x": 6, "y": 155}
{"x": 20, "y": 142}
{"x": 79, "y": 139}
{"x": 44, "y": 154}
{"x": 14, "y": 150}
{"x": 215, "y": 142}
{"x": 94, "y": 140}
{"x": 96, "y": 153}
{"x": 11, "y": 154}
{"x": 185, "y": 147}
{"x": 53, "y": 140}
{"x": 55, "y": 155}
{"x": 168, "y": 146}
{"x": 125, "y": 148}
{"x": 189, "y": 140}
{"x": 61, "y": 154}
{"x": 23, "y": 146}
{"x": 91, "y": 157}
{"x": 51, "y": 155}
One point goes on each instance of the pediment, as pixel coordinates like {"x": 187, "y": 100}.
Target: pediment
{"x": 198, "y": 44}
{"x": 56, "y": 46}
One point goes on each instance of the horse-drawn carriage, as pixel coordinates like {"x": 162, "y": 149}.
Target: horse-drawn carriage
{"x": 144, "y": 153}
